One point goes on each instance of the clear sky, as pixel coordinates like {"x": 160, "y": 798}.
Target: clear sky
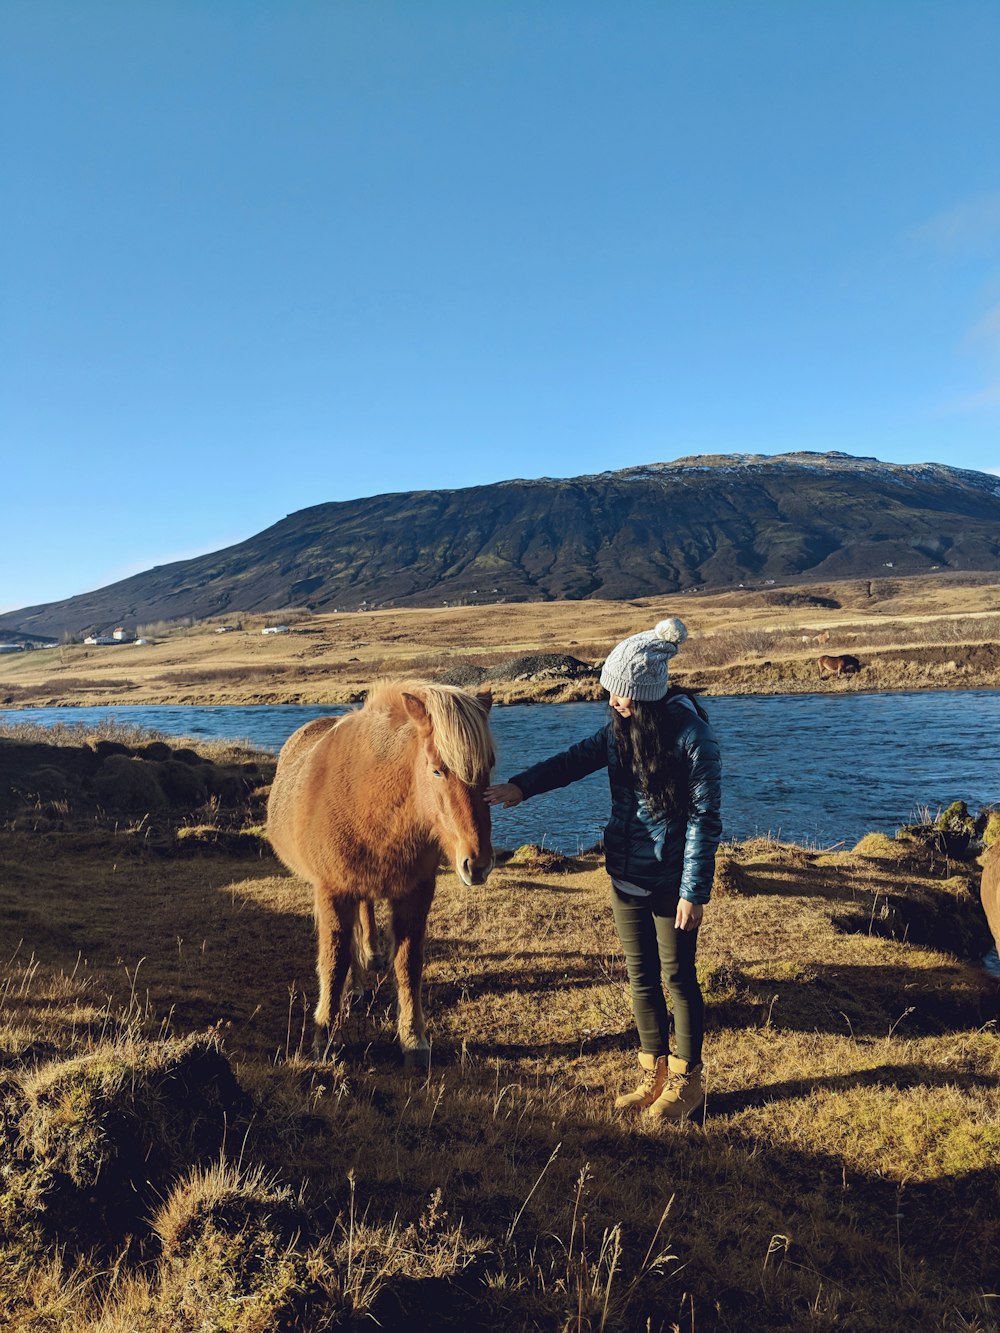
{"x": 258, "y": 256}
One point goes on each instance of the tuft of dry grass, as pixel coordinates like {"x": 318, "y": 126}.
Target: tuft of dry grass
{"x": 233, "y": 1251}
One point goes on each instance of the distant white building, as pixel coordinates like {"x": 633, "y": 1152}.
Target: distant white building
{"x": 275, "y": 629}
{"x": 118, "y": 635}
{"x": 10, "y": 648}
{"x": 225, "y": 629}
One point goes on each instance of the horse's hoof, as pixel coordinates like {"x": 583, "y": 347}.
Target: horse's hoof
{"x": 418, "y": 1060}
{"x": 322, "y": 1041}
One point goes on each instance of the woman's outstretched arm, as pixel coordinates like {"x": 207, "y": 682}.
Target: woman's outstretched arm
{"x": 560, "y": 770}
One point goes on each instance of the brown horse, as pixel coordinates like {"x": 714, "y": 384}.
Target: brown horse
{"x": 989, "y": 890}
{"x": 838, "y": 666}
{"x": 363, "y": 806}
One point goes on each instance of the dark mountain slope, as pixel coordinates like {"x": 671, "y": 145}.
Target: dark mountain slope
{"x": 712, "y": 521}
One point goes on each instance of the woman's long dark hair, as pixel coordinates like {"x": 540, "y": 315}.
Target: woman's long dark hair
{"x": 645, "y": 743}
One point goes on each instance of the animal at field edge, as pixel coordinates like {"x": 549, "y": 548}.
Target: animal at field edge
{"x": 989, "y": 890}
{"x": 363, "y": 806}
{"x": 844, "y": 665}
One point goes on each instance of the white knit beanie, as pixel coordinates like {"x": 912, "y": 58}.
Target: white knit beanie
{"x": 637, "y": 667}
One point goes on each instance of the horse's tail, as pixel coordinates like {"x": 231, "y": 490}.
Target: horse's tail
{"x": 368, "y": 952}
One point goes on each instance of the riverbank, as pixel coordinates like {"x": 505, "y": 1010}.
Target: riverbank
{"x": 909, "y": 634}
{"x": 844, "y": 1175}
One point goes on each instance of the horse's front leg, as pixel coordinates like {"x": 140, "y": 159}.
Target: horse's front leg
{"x": 409, "y": 927}
{"x": 334, "y": 929}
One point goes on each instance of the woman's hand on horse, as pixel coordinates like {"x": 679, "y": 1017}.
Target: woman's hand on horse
{"x": 688, "y": 915}
{"x": 503, "y": 793}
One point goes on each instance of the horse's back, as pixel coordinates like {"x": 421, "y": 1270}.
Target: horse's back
{"x": 303, "y": 740}
{"x": 292, "y": 789}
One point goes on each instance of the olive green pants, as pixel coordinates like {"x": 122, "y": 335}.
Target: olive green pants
{"x": 659, "y": 956}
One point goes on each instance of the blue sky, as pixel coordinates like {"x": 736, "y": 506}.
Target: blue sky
{"x": 257, "y": 256}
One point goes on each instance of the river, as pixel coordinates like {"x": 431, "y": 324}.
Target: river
{"x": 813, "y": 769}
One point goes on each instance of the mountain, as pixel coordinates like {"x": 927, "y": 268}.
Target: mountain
{"x": 707, "y": 521}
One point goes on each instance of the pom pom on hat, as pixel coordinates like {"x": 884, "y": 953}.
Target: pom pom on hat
{"x": 636, "y": 668}
{"x": 671, "y": 629}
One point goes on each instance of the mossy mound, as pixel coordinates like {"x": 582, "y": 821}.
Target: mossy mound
{"x": 183, "y": 784}
{"x": 730, "y": 877}
{"x": 932, "y": 840}
{"x": 991, "y": 828}
{"x": 883, "y": 848}
{"x": 108, "y": 779}
{"x": 532, "y": 856}
{"x": 942, "y": 914}
{"x": 956, "y": 828}
{"x": 155, "y": 750}
{"x": 956, "y": 817}
{"x": 235, "y": 1255}
{"x": 196, "y": 839}
{"x": 88, "y": 1144}
{"x": 129, "y": 785}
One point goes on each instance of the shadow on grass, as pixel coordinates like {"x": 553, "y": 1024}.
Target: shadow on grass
{"x": 851, "y": 1000}
{"x": 889, "y": 1076}
{"x": 765, "y": 1234}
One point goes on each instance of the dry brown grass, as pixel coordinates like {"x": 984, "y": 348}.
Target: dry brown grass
{"x": 845, "y": 1175}
{"x": 930, "y": 632}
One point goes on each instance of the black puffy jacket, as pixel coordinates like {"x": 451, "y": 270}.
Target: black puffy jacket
{"x": 648, "y": 848}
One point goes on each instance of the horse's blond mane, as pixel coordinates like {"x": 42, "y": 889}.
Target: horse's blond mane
{"x": 461, "y": 729}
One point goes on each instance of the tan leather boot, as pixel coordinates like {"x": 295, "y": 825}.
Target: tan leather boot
{"x": 652, "y": 1081}
{"x": 682, "y": 1094}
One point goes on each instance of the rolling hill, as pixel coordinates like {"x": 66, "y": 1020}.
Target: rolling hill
{"x": 706, "y": 521}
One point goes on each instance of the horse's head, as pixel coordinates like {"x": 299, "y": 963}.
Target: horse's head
{"x": 453, "y": 764}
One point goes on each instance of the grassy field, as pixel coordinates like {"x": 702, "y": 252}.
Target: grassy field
{"x": 174, "y": 1160}
{"x": 937, "y": 632}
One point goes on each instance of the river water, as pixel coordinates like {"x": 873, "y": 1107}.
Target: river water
{"x": 813, "y": 769}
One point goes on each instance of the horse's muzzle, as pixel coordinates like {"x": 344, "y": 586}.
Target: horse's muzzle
{"x": 471, "y": 874}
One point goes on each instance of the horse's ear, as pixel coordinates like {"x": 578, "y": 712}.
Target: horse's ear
{"x": 418, "y": 713}
{"x": 485, "y": 698}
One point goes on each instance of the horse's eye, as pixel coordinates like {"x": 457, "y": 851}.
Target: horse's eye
{"x": 438, "y": 772}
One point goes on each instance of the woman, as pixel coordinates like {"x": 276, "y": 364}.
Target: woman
{"x": 665, "y": 774}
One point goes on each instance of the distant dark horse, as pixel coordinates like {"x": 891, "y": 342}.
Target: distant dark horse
{"x": 838, "y": 666}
